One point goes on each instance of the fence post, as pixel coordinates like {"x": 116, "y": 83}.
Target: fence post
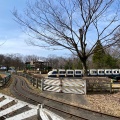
{"x": 85, "y": 85}
{"x": 38, "y": 112}
{"x": 42, "y": 84}
{"x": 111, "y": 87}
{"x": 36, "y": 83}
{"x": 25, "y": 75}
{"x": 61, "y": 84}
{"x": 33, "y": 81}
{"x": 4, "y": 81}
{"x": 30, "y": 79}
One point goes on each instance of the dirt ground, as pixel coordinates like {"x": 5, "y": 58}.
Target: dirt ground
{"x": 105, "y": 103}
{"x": 2, "y": 75}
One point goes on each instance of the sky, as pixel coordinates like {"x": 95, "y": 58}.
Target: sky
{"x": 12, "y": 38}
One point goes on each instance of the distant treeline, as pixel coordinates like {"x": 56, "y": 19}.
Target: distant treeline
{"x": 102, "y": 61}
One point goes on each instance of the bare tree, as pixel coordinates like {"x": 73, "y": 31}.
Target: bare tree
{"x": 117, "y": 45}
{"x": 75, "y": 25}
{"x": 114, "y": 50}
{"x": 29, "y": 58}
{"x": 117, "y": 37}
{"x": 56, "y": 62}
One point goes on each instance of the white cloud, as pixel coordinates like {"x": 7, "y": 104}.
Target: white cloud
{"x": 18, "y": 45}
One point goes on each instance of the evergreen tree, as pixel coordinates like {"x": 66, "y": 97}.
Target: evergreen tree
{"x": 68, "y": 64}
{"x": 98, "y": 56}
{"x": 101, "y": 59}
{"x": 110, "y": 62}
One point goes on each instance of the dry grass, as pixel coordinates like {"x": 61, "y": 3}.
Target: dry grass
{"x": 105, "y": 103}
{"x": 3, "y": 75}
{"x": 6, "y": 89}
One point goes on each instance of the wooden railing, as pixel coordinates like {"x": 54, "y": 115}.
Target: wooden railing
{"x": 70, "y": 85}
{"x": 63, "y": 85}
{"x": 99, "y": 84}
{"x": 5, "y": 79}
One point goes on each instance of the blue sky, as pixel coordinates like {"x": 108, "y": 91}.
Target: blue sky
{"x": 12, "y": 38}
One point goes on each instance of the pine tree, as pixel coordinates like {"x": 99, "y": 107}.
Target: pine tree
{"x": 110, "y": 62}
{"x": 98, "y": 56}
{"x": 102, "y": 59}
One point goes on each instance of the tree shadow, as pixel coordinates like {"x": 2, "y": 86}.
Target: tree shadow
{"x": 101, "y": 92}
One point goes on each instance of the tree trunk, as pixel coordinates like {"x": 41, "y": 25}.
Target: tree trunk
{"x": 84, "y": 65}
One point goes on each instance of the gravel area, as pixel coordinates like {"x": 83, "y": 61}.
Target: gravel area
{"x": 105, "y": 103}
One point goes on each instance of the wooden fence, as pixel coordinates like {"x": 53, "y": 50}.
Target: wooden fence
{"x": 100, "y": 84}
{"x": 70, "y": 85}
{"x": 5, "y": 79}
{"x": 63, "y": 85}
{"x": 35, "y": 80}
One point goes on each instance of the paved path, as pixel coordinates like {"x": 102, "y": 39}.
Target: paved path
{"x": 71, "y": 98}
